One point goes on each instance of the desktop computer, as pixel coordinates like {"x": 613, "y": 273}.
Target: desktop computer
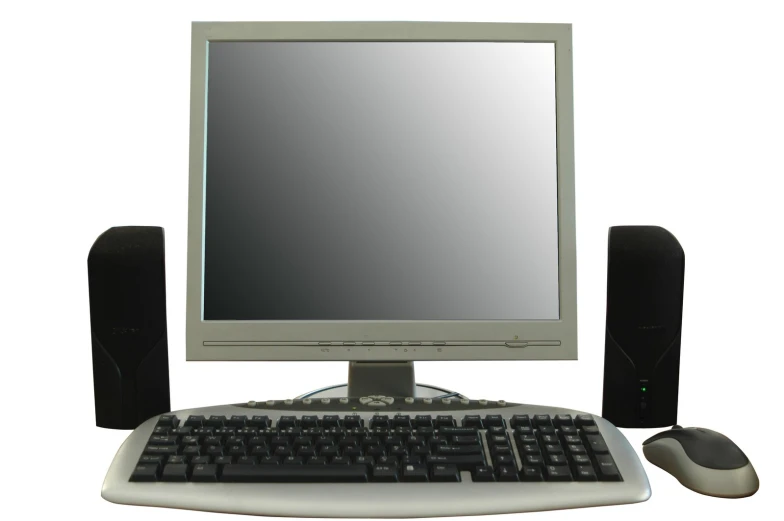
{"x": 379, "y": 193}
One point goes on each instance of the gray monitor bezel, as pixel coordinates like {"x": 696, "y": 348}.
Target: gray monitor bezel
{"x": 363, "y": 340}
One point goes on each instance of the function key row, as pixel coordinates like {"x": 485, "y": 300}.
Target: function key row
{"x": 538, "y": 421}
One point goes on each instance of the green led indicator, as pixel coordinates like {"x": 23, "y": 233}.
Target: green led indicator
{"x": 644, "y": 389}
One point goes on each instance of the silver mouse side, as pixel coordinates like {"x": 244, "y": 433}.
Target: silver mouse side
{"x": 704, "y": 461}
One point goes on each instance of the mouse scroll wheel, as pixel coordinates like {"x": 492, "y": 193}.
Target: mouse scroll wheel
{"x": 676, "y": 427}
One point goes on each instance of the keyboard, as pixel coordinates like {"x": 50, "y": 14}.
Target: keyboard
{"x": 376, "y": 456}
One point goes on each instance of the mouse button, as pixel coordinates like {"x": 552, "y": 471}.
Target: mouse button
{"x": 677, "y": 434}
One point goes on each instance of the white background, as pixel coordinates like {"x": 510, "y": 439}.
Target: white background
{"x": 678, "y": 122}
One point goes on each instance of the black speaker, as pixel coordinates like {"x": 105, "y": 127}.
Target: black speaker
{"x": 128, "y": 320}
{"x": 642, "y": 349}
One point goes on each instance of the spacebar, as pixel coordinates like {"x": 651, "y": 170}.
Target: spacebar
{"x": 294, "y": 473}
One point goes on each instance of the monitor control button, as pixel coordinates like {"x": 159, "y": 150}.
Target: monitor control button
{"x": 251, "y": 404}
{"x": 377, "y": 403}
{"x": 502, "y": 403}
{"x": 344, "y": 401}
{"x": 288, "y": 402}
{"x": 325, "y": 401}
{"x": 516, "y": 344}
{"x": 465, "y": 401}
{"x": 365, "y": 400}
{"x": 270, "y": 402}
{"x": 376, "y": 396}
{"x": 409, "y": 400}
{"x": 482, "y": 402}
{"x": 307, "y": 401}
{"x": 446, "y": 401}
{"x": 387, "y": 400}
{"x": 427, "y": 401}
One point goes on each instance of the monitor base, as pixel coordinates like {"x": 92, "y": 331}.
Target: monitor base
{"x": 420, "y": 391}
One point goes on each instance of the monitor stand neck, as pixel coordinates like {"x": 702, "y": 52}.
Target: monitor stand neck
{"x": 381, "y": 378}
{"x": 394, "y": 379}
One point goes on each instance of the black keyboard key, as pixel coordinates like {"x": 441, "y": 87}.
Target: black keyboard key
{"x": 590, "y": 429}
{"x": 584, "y": 473}
{"x": 496, "y": 439}
{"x": 269, "y": 460}
{"x": 556, "y": 459}
{"x": 162, "y": 431}
{"x": 293, "y": 460}
{"x": 215, "y": 421}
{"x": 584, "y": 419}
{"x": 496, "y": 431}
{"x": 201, "y": 460}
{"x": 533, "y": 461}
{"x": 528, "y": 449}
{"x": 224, "y": 460}
{"x": 191, "y": 451}
{"x": 194, "y": 421}
{"x": 309, "y": 421}
{"x": 500, "y": 449}
{"x": 494, "y": 420}
{"x": 214, "y": 451}
{"x": 542, "y": 420}
{"x": 236, "y": 450}
{"x": 472, "y": 421}
{"x": 483, "y": 474}
{"x": 247, "y": 460}
{"x": 168, "y": 420}
{"x": 526, "y": 439}
{"x": 457, "y": 431}
{"x": 179, "y": 460}
{"x": 415, "y": 473}
{"x": 549, "y": 439}
{"x": 553, "y": 448}
{"x": 261, "y": 422}
{"x": 401, "y": 420}
{"x": 465, "y": 440}
{"x": 444, "y": 420}
{"x": 596, "y": 443}
{"x": 203, "y": 431}
{"x": 568, "y": 430}
{"x": 317, "y": 460}
{"x": 339, "y": 460}
{"x": 238, "y": 421}
{"x": 606, "y": 469}
{"x": 448, "y": 473}
{"x": 576, "y": 449}
{"x": 561, "y": 420}
{"x": 146, "y": 472}
{"x": 458, "y": 450}
{"x": 194, "y": 440}
{"x": 162, "y": 440}
{"x": 294, "y": 474}
{"x": 363, "y": 460}
{"x": 503, "y": 459}
{"x": 162, "y": 450}
{"x": 383, "y": 473}
{"x": 329, "y": 451}
{"x": 531, "y": 474}
{"x": 423, "y": 420}
{"x": 375, "y": 451}
{"x": 331, "y": 420}
{"x": 175, "y": 472}
{"x": 572, "y": 439}
{"x": 462, "y": 462}
{"x": 557, "y": 473}
{"x": 581, "y": 459}
{"x": 506, "y": 473}
{"x": 379, "y": 420}
{"x": 352, "y": 421}
{"x": 182, "y": 431}
{"x": 205, "y": 473}
{"x": 287, "y": 422}
{"x": 147, "y": 459}
{"x": 520, "y": 420}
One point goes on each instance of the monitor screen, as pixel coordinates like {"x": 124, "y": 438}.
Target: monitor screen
{"x": 380, "y": 181}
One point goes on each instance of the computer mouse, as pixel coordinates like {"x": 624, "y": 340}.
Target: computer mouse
{"x": 703, "y": 460}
